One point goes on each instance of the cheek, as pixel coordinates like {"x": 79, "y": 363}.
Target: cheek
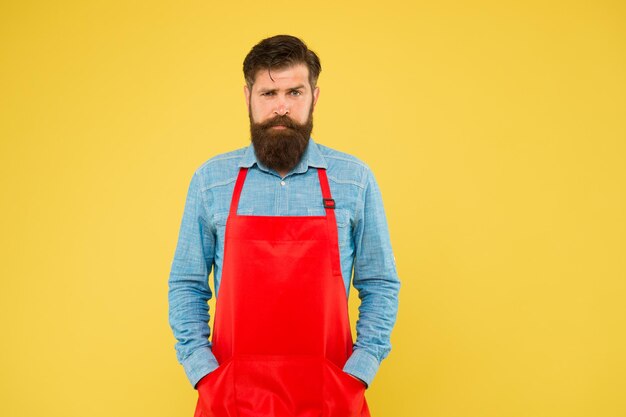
{"x": 303, "y": 113}
{"x": 265, "y": 109}
{"x": 258, "y": 113}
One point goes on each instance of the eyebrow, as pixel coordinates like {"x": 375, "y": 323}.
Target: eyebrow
{"x": 273, "y": 90}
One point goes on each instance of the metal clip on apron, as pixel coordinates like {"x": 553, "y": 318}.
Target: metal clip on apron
{"x": 282, "y": 331}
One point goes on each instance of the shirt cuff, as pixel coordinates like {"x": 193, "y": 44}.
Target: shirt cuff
{"x": 363, "y": 365}
{"x": 198, "y": 364}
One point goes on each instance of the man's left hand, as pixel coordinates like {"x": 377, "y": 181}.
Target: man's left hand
{"x": 358, "y": 379}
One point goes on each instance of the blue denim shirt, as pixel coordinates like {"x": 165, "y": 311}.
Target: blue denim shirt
{"x": 363, "y": 235}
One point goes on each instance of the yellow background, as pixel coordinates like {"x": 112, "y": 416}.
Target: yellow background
{"x": 495, "y": 129}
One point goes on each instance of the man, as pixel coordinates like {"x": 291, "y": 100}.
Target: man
{"x": 283, "y": 222}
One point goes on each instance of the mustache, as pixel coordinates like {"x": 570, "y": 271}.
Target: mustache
{"x": 283, "y": 120}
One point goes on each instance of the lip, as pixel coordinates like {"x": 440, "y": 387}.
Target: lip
{"x": 279, "y": 127}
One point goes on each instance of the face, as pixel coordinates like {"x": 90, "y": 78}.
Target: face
{"x": 286, "y": 92}
{"x": 280, "y": 109}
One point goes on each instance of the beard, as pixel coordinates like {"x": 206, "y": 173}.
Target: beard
{"x": 280, "y": 149}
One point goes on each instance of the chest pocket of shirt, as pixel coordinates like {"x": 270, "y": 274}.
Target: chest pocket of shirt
{"x": 342, "y": 216}
{"x": 219, "y": 222}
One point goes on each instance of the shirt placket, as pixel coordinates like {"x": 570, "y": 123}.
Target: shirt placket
{"x": 283, "y": 196}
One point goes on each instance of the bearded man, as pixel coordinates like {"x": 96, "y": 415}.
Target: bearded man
{"x": 284, "y": 223}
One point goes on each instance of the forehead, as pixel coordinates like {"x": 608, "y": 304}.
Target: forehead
{"x": 282, "y": 77}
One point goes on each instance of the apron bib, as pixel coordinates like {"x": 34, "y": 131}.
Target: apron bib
{"x": 282, "y": 332}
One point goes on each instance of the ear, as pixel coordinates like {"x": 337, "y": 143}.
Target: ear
{"x": 316, "y": 94}
{"x": 246, "y": 92}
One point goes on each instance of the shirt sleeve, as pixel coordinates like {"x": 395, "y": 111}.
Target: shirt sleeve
{"x": 189, "y": 290}
{"x": 377, "y": 283}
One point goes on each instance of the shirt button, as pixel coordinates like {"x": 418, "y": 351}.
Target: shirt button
{"x": 282, "y": 183}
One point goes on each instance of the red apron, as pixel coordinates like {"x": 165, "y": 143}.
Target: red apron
{"x": 282, "y": 332}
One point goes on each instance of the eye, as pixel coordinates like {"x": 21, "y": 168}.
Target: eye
{"x": 296, "y": 92}
{"x": 269, "y": 93}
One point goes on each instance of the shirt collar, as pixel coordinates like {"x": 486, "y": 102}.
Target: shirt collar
{"x": 311, "y": 157}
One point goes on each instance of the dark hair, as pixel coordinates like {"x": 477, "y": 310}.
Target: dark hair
{"x": 279, "y": 52}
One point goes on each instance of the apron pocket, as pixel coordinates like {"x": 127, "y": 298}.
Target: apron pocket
{"x": 278, "y": 385}
{"x": 343, "y": 395}
{"x": 216, "y": 395}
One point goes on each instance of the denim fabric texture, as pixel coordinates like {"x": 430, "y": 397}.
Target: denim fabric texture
{"x": 364, "y": 246}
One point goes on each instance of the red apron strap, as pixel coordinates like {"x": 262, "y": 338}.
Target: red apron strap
{"x": 234, "y": 202}
{"x": 331, "y": 221}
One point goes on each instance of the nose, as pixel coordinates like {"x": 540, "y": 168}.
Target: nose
{"x": 281, "y": 108}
